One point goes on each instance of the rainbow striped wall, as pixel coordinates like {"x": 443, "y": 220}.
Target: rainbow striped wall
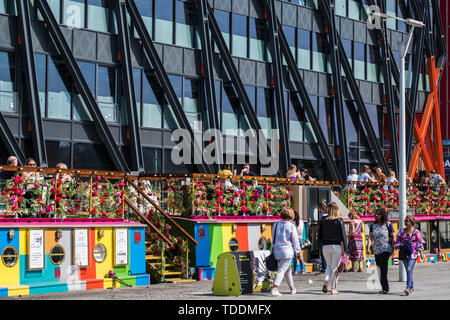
{"x": 214, "y": 236}
{"x": 65, "y": 277}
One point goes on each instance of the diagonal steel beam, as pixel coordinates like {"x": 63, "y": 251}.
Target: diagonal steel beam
{"x": 137, "y": 158}
{"x": 308, "y": 107}
{"x": 31, "y": 87}
{"x": 163, "y": 78}
{"x": 208, "y": 72}
{"x": 373, "y": 141}
{"x": 329, "y": 6}
{"x": 278, "y": 85}
{"x": 81, "y": 85}
{"x": 10, "y": 142}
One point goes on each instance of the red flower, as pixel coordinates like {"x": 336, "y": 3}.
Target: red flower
{"x": 58, "y": 199}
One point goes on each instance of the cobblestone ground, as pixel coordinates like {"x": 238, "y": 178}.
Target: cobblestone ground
{"x": 431, "y": 281}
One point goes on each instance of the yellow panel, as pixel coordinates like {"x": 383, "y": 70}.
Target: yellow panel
{"x": 268, "y": 232}
{"x": 23, "y": 238}
{"x": 102, "y": 268}
{"x": 227, "y": 235}
{"x": 19, "y": 291}
{"x": 108, "y": 283}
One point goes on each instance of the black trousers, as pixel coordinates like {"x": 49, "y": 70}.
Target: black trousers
{"x": 382, "y": 260}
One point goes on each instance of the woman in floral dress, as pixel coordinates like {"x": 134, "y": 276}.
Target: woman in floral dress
{"x": 409, "y": 239}
{"x": 355, "y": 241}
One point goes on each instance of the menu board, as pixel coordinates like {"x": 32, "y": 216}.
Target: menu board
{"x": 36, "y": 250}
{"x": 121, "y": 246}
{"x": 245, "y": 270}
{"x": 80, "y": 248}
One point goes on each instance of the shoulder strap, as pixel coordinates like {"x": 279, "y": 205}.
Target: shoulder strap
{"x": 275, "y": 234}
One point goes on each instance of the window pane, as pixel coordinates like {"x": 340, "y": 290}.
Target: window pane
{"x": 258, "y": 44}
{"x": 185, "y": 24}
{"x": 354, "y": 9}
{"x": 351, "y": 132}
{"x": 58, "y": 152}
{"x": 341, "y": 8}
{"x": 230, "y": 114}
{"x": 320, "y": 50}
{"x": 164, "y": 21}
{"x": 295, "y": 123}
{"x": 373, "y": 64}
{"x": 304, "y": 49}
{"x": 265, "y": 109}
{"x": 152, "y": 160}
{"x": 80, "y": 110}
{"x": 8, "y": 7}
{"x": 106, "y": 92}
{"x": 98, "y": 157}
{"x": 289, "y": 33}
{"x": 99, "y": 15}
{"x": 145, "y": 8}
{"x": 239, "y": 36}
{"x": 7, "y": 69}
{"x": 74, "y": 13}
{"x": 223, "y": 21}
{"x": 190, "y": 100}
{"x": 151, "y": 109}
{"x": 40, "y": 61}
{"x": 59, "y": 85}
{"x": 359, "y": 60}
{"x": 170, "y": 120}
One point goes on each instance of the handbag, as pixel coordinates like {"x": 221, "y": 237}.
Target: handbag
{"x": 270, "y": 261}
{"x": 406, "y": 249}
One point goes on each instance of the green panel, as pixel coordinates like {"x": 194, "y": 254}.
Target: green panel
{"x": 226, "y": 279}
{"x": 216, "y": 241}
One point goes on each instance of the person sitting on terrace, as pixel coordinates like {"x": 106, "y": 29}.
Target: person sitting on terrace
{"x": 353, "y": 176}
{"x": 226, "y": 171}
{"x": 378, "y": 175}
{"x": 31, "y": 176}
{"x": 423, "y": 179}
{"x": 436, "y": 178}
{"x": 246, "y": 171}
{"x": 12, "y": 162}
{"x": 391, "y": 179}
{"x": 64, "y": 176}
{"x": 293, "y": 173}
{"x": 305, "y": 175}
{"x": 364, "y": 176}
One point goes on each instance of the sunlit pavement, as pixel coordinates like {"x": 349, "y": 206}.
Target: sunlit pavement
{"x": 431, "y": 282}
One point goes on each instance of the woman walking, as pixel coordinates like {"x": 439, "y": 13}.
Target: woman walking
{"x": 333, "y": 238}
{"x": 299, "y": 227}
{"x": 382, "y": 237}
{"x": 355, "y": 241}
{"x": 409, "y": 241}
{"x": 285, "y": 247}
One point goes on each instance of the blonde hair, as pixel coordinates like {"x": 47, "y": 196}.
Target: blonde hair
{"x": 333, "y": 211}
{"x": 354, "y": 216}
{"x": 412, "y": 220}
{"x": 287, "y": 213}
{"x": 392, "y": 174}
{"x": 292, "y": 169}
{"x": 61, "y": 166}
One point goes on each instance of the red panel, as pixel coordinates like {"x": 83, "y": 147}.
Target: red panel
{"x": 89, "y": 273}
{"x": 242, "y": 236}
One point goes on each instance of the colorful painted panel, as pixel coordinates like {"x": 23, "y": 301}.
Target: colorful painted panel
{"x": 242, "y": 236}
{"x": 203, "y": 250}
{"x": 216, "y": 242}
{"x": 254, "y": 234}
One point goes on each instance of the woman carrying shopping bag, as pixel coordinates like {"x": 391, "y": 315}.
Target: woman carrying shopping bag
{"x": 333, "y": 238}
{"x": 285, "y": 247}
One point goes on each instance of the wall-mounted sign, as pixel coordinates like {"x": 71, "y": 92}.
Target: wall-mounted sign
{"x": 80, "y": 247}
{"x": 35, "y": 249}
{"x": 447, "y": 164}
{"x": 120, "y": 246}
{"x": 137, "y": 237}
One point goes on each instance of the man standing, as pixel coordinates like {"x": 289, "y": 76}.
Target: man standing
{"x": 352, "y": 177}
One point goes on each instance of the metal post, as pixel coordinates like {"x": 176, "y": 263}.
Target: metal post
{"x": 402, "y": 165}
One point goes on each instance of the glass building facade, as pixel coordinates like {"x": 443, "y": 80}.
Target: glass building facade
{"x": 91, "y": 30}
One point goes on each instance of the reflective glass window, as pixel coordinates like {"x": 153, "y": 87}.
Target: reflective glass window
{"x": 164, "y": 21}
{"x": 372, "y": 111}
{"x": 350, "y": 130}
{"x": 325, "y": 113}
{"x": 239, "y": 37}
{"x": 314, "y": 4}
{"x": 374, "y": 70}
{"x": 341, "y": 8}
{"x": 223, "y": 21}
{"x": 152, "y": 160}
{"x": 170, "y": 120}
{"x": 359, "y": 64}
{"x": 106, "y": 92}
{"x": 40, "y": 61}
{"x": 8, "y": 7}
{"x": 7, "y": 79}
{"x": 145, "y": 8}
{"x": 151, "y": 108}
{"x": 58, "y": 152}
{"x": 391, "y": 7}
{"x": 80, "y": 110}
{"x": 309, "y": 135}
{"x": 304, "y": 49}
{"x": 98, "y": 158}
{"x": 354, "y": 9}
{"x": 265, "y": 109}
{"x": 289, "y": 33}
{"x": 59, "y": 86}
{"x": 186, "y": 30}
{"x": 320, "y": 52}
{"x": 296, "y": 119}
{"x": 230, "y": 113}
{"x": 100, "y": 16}
{"x": 258, "y": 41}
{"x": 191, "y": 96}
{"x": 74, "y": 13}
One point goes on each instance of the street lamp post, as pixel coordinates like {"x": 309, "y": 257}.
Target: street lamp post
{"x": 402, "y": 124}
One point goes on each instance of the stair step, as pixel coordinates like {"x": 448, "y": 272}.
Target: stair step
{"x": 167, "y": 265}
{"x": 172, "y": 273}
{"x": 175, "y": 280}
{"x": 151, "y": 257}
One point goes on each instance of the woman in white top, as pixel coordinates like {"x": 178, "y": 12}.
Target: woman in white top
{"x": 285, "y": 247}
{"x": 299, "y": 225}
{"x": 391, "y": 179}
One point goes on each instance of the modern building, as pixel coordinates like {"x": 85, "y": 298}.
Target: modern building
{"x": 102, "y": 84}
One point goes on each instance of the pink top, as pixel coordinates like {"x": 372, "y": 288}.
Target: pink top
{"x": 357, "y": 227}
{"x": 54, "y": 222}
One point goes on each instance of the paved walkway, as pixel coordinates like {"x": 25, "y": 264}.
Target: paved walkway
{"x": 432, "y": 282}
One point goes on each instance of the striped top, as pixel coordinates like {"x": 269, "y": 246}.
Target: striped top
{"x": 286, "y": 240}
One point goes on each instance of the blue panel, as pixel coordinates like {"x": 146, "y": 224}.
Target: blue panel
{"x": 137, "y": 250}
{"x": 47, "y": 275}
{"x": 5, "y": 242}
{"x": 3, "y": 292}
{"x": 48, "y": 288}
{"x": 143, "y": 280}
{"x": 203, "y": 250}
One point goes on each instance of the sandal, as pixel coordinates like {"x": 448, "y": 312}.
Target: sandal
{"x": 335, "y": 292}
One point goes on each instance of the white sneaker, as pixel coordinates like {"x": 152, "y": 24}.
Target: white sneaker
{"x": 275, "y": 293}
{"x": 293, "y": 291}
